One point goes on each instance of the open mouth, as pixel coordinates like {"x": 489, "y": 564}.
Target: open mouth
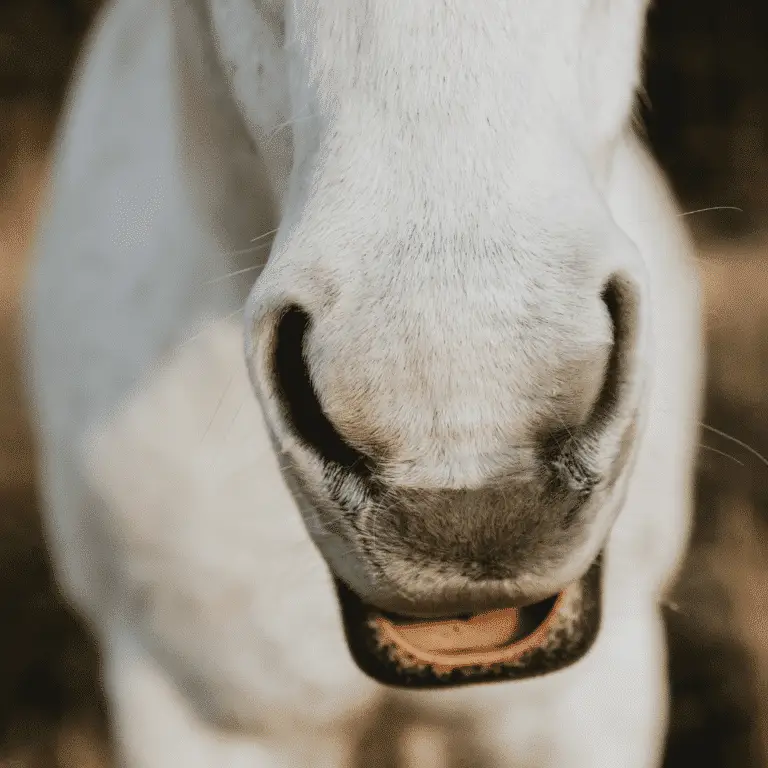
{"x": 506, "y": 644}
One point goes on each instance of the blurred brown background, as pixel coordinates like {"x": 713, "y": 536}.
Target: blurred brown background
{"x": 706, "y": 116}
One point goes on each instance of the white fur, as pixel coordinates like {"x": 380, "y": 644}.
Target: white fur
{"x": 170, "y": 524}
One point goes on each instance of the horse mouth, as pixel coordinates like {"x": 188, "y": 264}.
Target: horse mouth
{"x": 505, "y": 644}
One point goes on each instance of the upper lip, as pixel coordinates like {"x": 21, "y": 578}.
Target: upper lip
{"x": 457, "y": 601}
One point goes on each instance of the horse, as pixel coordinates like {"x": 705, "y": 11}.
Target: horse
{"x": 355, "y": 328}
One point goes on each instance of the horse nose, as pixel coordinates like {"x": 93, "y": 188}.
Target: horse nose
{"x": 417, "y": 405}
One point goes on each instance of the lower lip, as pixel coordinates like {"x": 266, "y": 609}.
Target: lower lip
{"x": 545, "y": 637}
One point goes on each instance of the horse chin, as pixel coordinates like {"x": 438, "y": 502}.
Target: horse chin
{"x": 506, "y": 644}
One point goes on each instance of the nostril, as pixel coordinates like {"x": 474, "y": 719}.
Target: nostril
{"x": 574, "y": 453}
{"x": 299, "y": 400}
{"x": 621, "y": 301}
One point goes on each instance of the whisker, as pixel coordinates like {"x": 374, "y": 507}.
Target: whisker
{"x": 286, "y": 124}
{"x": 557, "y": 415}
{"x": 738, "y": 442}
{"x": 218, "y": 408}
{"x": 722, "y": 453}
{"x": 237, "y": 272}
{"x": 712, "y": 208}
{"x": 315, "y": 524}
{"x": 369, "y": 536}
{"x": 265, "y": 234}
{"x": 234, "y": 419}
{"x": 242, "y": 251}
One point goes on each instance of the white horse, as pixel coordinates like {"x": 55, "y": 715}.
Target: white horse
{"x": 470, "y": 381}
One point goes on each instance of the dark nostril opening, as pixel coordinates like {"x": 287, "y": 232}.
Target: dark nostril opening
{"x": 620, "y": 299}
{"x": 300, "y": 403}
{"x": 568, "y": 450}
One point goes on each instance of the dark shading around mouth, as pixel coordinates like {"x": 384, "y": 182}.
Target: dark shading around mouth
{"x": 571, "y": 634}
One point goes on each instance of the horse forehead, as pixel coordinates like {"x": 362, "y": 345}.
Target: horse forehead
{"x": 365, "y": 29}
{"x": 403, "y": 54}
